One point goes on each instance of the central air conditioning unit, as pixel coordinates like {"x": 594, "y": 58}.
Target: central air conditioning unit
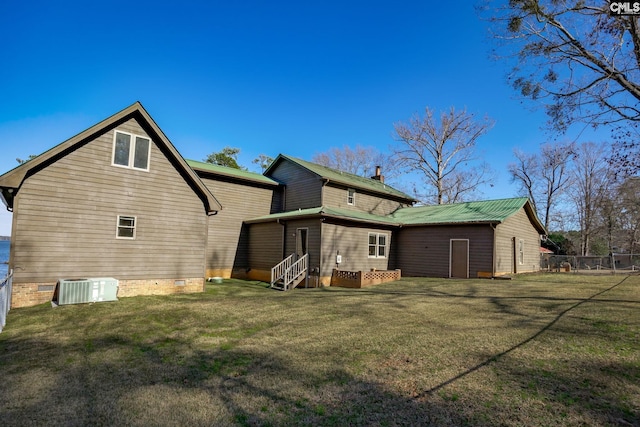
{"x": 78, "y": 291}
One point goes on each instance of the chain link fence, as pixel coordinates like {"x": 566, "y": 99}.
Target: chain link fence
{"x": 611, "y": 263}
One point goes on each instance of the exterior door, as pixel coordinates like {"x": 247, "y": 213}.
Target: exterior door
{"x": 459, "y": 258}
{"x": 302, "y": 236}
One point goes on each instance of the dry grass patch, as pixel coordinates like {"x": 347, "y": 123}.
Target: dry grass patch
{"x": 538, "y": 350}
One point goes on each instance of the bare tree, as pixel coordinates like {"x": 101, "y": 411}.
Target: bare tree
{"x": 554, "y": 168}
{"x": 525, "y": 172}
{"x": 358, "y": 161}
{"x": 543, "y": 176}
{"x": 590, "y": 182}
{"x": 629, "y": 212}
{"x": 576, "y": 56}
{"x": 442, "y": 151}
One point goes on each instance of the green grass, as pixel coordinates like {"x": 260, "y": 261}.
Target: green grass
{"x": 537, "y": 350}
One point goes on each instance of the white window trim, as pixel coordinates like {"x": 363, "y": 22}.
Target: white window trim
{"x": 135, "y": 226}
{"x": 521, "y": 252}
{"x": 132, "y": 151}
{"x": 351, "y": 199}
{"x": 386, "y": 245}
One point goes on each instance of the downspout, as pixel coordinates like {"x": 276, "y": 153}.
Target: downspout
{"x": 284, "y": 236}
{"x": 493, "y": 266}
{"x": 319, "y": 279}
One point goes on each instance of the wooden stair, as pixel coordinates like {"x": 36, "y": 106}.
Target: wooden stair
{"x": 289, "y": 273}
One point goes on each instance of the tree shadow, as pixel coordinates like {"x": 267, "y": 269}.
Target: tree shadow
{"x": 146, "y": 384}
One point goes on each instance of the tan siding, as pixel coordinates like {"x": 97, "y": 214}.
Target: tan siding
{"x": 66, "y": 215}
{"x": 228, "y": 238}
{"x": 303, "y": 188}
{"x": 313, "y": 239}
{"x": 265, "y": 245}
{"x": 353, "y": 245}
{"x": 424, "y": 251}
{"x": 519, "y": 227}
{"x": 335, "y": 196}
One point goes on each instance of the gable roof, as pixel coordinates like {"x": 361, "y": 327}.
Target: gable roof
{"x": 344, "y": 178}
{"x": 488, "y": 211}
{"x": 483, "y": 212}
{"x": 11, "y": 181}
{"x": 237, "y": 174}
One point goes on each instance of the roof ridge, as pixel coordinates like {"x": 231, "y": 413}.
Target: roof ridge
{"x": 348, "y": 178}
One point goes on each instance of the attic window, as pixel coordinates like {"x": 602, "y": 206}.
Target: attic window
{"x": 351, "y": 196}
{"x": 131, "y": 151}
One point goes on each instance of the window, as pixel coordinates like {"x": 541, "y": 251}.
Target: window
{"x": 521, "y": 252}
{"x": 126, "y": 227}
{"x": 377, "y": 245}
{"x": 131, "y": 151}
{"x": 351, "y": 196}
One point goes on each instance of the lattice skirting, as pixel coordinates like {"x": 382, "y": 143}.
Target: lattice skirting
{"x": 359, "y": 279}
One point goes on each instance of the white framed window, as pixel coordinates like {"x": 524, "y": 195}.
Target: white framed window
{"x": 131, "y": 151}
{"x": 126, "y": 227}
{"x": 351, "y": 196}
{"x": 377, "y": 245}
{"x": 521, "y": 252}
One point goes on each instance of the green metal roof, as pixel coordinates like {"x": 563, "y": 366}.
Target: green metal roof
{"x": 483, "y": 212}
{"x": 469, "y": 212}
{"x": 324, "y": 211}
{"x": 344, "y": 178}
{"x": 231, "y": 172}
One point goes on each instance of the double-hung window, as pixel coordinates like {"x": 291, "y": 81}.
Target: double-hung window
{"x": 377, "y": 245}
{"x": 131, "y": 151}
{"x": 351, "y": 196}
{"x": 126, "y": 228}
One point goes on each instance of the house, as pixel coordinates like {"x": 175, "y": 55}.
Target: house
{"x": 347, "y": 222}
{"x": 473, "y": 239}
{"x": 118, "y": 200}
{"x": 327, "y": 214}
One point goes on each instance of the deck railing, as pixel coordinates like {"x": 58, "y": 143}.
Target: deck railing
{"x": 294, "y": 272}
{"x": 278, "y": 272}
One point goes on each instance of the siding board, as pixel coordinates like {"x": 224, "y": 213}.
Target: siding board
{"x": 65, "y": 224}
{"x": 353, "y": 245}
{"x": 303, "y": 188}
{"x": 424, "y": 251}
{"x": 227, "y": 249}
{"x": 313, "y": 238}
{"x": 336, "y": 196}
{"x": 517, "y": 227}
{"x": 265, "y": 245}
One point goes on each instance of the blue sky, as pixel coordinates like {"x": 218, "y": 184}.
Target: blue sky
{"x": 266, "y": 77}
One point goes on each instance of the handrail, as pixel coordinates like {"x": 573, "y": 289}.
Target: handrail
{"x": 295, "y": 270}
{"x": 279, "y": 270}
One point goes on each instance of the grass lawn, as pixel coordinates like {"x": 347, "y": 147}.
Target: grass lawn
{"x": 538, "y": 350}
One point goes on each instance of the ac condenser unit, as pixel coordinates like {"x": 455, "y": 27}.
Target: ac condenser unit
{"x": 77, "y": 291}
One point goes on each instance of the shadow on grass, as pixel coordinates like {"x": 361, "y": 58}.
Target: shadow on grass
{"x": 118, "y": 378}
{"x": 117, "y": 381}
